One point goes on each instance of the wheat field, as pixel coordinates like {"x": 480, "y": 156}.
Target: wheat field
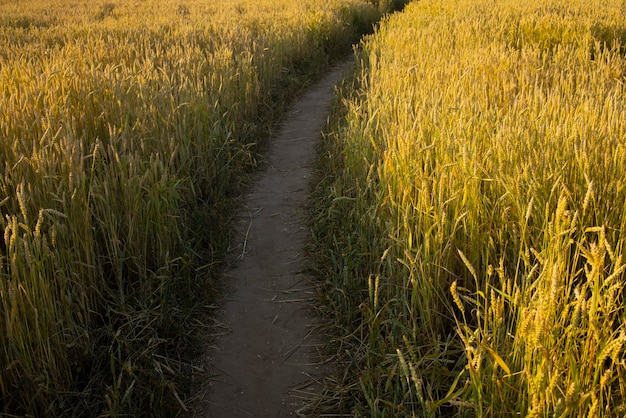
{"x": 126, "y": 130}
{"x": 471, "y": 212}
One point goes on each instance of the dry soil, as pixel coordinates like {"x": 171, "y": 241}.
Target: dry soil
{"x": 266, "y": 363}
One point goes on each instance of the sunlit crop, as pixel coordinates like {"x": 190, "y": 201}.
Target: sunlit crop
{"x": 474, "y": 207}
{"x": 125, "y": 128}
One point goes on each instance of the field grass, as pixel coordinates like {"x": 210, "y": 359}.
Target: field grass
{"x": 471, "y": 211}
{"x": 126, "y": 127}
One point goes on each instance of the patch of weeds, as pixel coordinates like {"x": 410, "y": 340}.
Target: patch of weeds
{"x": 183, "y": 10}
{"x": 106, "y": 10}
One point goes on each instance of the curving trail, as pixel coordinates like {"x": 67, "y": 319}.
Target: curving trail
{"x": 266, "y": 363}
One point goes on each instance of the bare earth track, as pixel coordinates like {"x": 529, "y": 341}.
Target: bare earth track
{"x": 266, "y": 363}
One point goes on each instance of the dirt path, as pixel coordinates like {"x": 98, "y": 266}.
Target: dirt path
{"x": 265, "y": 362}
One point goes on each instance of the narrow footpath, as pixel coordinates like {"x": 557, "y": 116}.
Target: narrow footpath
{"x": 266, "y": 363}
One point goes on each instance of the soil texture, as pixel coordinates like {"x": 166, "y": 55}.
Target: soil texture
{"x": 266, "y": 363}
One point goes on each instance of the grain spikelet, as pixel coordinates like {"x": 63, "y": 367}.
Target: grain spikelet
{"x": 456, "y": 298}
{"x": 468, "y": 264}
{"x": 21, "y": 199}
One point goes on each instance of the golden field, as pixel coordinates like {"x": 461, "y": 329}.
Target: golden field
{"x": 471, "y": 213}
{"x": 126, "y": 128}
